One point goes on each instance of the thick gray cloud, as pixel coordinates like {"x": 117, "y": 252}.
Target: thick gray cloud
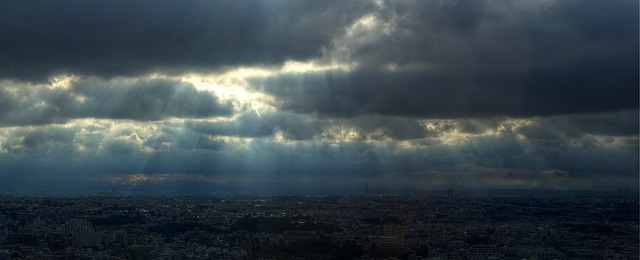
{"x": 488, "y": 58}
{"x": 623, "y": 123}
{"x": 111, "y": 38}
{"x": 246, "y": 125}
{"x": 147, "y": 100}
{"x": 301, "y": 127}
{"x": 437, "y": 59}
{"x": 118, "y": 98}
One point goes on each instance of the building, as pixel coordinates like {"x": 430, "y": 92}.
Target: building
{"x": 540, "y": 253}
{"x": 438, "y": 238}
{"x": 291, "y": 237}
{"x": 399, "y": 232}
{"x": 87, "y": 239}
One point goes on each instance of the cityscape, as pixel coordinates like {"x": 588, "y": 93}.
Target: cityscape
{"x": 319, "y": 129}
{"x": 413, "y": 225}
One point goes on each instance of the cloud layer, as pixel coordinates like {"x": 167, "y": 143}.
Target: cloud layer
{"x": 261, "y": 95}
{"x": 481, "y": 59}
{"x": 144, "y": 100}
{"x": 111, "y": 38}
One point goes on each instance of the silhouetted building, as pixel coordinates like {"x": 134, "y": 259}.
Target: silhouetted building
{"x": 27, "y": 239}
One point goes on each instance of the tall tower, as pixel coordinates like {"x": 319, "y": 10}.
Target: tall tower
{"x": 366, "y": 189}
{"x": 450, "y": 194}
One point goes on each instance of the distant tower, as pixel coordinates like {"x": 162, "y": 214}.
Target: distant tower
{"x": 450, "y": 194}
{"x": 366, "y": 189}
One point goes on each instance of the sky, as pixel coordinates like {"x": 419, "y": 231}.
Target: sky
{"x": 319, "y": 95}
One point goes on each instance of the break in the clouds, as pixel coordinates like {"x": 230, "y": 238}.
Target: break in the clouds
{"x": 267, "y": 94}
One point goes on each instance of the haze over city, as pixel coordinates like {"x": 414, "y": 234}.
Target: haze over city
{"x": 322, "y": 96}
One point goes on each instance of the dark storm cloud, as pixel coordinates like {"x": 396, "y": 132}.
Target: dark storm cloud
{"x": 301, "y": 127}
{"x": 390, "y": 127}
{"x": 40, "y": 143}
{"x": 488, "y": 58}
{"x": 615, "y": 124}
{"x": 372, "y": 128}
{"x": 111, "y": 38}
{"x": 147, "y": 100}
{"x": 246, "y": 125}
{"x": 624, "y": 123}
{"x": 143, "y": 99}
{"x": 415, "y": 58}
{"x": 584, "y": 154}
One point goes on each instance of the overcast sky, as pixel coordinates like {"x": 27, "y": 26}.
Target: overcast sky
{"x": 532, "y": 94}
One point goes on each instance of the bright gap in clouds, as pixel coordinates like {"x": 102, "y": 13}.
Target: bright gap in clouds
{"x": 234, "y": 85}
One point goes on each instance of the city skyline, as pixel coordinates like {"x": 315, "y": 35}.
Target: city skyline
{"x": 319, "y": 227}
{"x": 319, "y": 95}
